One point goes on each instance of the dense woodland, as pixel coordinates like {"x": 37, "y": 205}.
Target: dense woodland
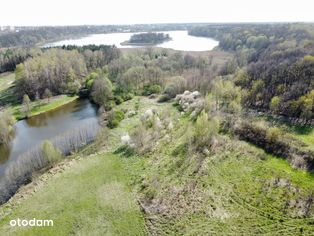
{"x": 277, "y": 64}
{"x": 32, "y": 36}
{"x": 148, "y": 38}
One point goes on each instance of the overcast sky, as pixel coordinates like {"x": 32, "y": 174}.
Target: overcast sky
{"x": 78, "y": 12}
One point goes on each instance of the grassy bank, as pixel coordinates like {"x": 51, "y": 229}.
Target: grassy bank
{"x": 235, "y": 189}
{"x": 90, "y": 198}
{"x": 6, "y": 80}
{"x": 9, "y": 100}
{"x": 42, "y": 106}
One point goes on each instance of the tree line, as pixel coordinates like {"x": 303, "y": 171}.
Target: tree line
{"x": 60, "y": 71}
{"x": 276, "y": 62}
{"x": 148, "y": 38}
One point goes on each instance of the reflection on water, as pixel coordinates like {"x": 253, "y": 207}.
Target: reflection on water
{"x": 31, "y": 132}
{"x": 180, "y": 41}
{"x": 5, "y": 151}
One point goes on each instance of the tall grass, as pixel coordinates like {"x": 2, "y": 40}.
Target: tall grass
{"x": 20, "y": 171}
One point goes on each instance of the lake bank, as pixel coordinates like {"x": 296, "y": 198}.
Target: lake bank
{"x": 64, "y": 114}
{"x": 161, "y": 192}
{"x": 37, "y": 107}
{"x": 43, "y": 105}
{"x": 181, "y": 41}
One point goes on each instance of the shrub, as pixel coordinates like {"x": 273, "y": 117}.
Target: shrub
{"x": 274, "y": 104}
{"x": 127, "y": 96}
{"x": 144, "y": 139}
{"x": 204, "y": 131}
{"x": 6, "y": 122}
{"x": 176, "y": 86}
{"x": 114, "y": 118}
{"x": 118, "y": 100}
{"x": 164, "y": 98}
{"x": 50, "y": 154}
{"x": 90, "y": 79}
{"x": 89, "y": 84}
{"x": 274, "y": 141}
{"x": 151, "y": 89}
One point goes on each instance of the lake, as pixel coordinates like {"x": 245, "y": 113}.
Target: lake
{"x": 31, "y": 132}
{"x": 180, "y": 41}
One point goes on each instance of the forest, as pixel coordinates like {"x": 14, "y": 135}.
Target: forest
{"x": 148, "y": 38}
{"x": 276, "y": 64}
{"x": 32, "y": 36}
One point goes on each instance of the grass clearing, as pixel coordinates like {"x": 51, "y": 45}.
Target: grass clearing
{"x": 302, "y": 133}
{"x": 91, "y": 198}
{"x": 42, "y": 106}
{"x": 7, "y": 98}
{"x": 6, "y": 81}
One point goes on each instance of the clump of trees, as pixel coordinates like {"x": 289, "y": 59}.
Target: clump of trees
{"x": 95, "y": 56}
{"x": 11, "y": 57}
{"x": 114, "y": 117}
{"x": 101, "y": 91}
{"x": 6, "y": 127}
{"x": 64, "y": 70}
{"x": 58, "y": 70}
{"x": 204, "y": 132}
{"x": 148, "y": 38}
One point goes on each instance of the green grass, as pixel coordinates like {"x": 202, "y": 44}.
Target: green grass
{"x": 6, "y": 80}
{"x": 302, "y": 133}
{"x": 301, "y": 178}
{"x": 233, "y": 193}
{"x": 42, "y": 106}
{"x": 236, "y": 190}
{"x": 8, "y": 99}
{"x": 91, "y": 198}
{"x": 305, "y": 134}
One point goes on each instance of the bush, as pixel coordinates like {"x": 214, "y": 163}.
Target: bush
{"x": 114, "y": 118}
{"x": 118, "y": 100}
{"x": 89, "y": 84}
{"x": 151, "y": 89}
{"x": 6, "y": 122}
{"x": 274, "y": 104}
{"x": 274, "y": 141}
{"x": 127, "y": 96}
{"x": 144, "y": 139}
{"x": 204, "y": 131}
{"x": 164, "y": 98}
{"x": 176, "y": 86}
{"x": 50, "y": 154}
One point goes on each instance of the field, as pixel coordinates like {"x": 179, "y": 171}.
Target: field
{"x": 236, "y": 190}
{"x": 41, "y": 106}
{"x": 6, "y": 80}
{"x": 90, "y": 198}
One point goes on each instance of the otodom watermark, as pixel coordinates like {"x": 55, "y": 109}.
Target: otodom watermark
{"x": 32, "y": 223}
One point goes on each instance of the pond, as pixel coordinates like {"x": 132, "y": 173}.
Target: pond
{"x": 180, "y": 41}
{"x": 31, "y": 132}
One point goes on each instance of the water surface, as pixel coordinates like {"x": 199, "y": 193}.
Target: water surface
{"x": 32, "y": 132}
{"x": 180, "y": 41}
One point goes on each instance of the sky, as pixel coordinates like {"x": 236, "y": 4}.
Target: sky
{"x": 103, "y": 12}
